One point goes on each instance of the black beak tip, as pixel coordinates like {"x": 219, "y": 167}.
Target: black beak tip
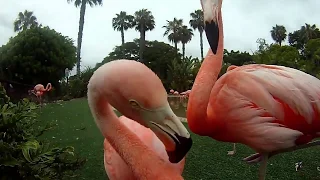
{"x": 182, "y": 148}
{"x": 212, "y": 32}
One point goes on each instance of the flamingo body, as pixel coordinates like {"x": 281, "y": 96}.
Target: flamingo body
{"x": 273, "y": 107}
{"x": 115, "y": 166}
{"x": 40, "y": 87}
{"x": 39, "y": 90}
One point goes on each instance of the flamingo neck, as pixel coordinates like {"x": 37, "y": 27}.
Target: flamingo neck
{"x": 48, "y": 87}
{"x": 201, "y": 90}
{"x": 144, "y": 163}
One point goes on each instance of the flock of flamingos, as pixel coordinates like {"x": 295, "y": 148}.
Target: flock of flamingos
{"x": 272, "y": 109}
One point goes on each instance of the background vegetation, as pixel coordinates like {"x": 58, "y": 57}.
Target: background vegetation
{"x": 39, "y": 54}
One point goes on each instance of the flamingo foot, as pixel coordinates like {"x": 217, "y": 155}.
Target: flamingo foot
{"x": 310, "y": 144}
{"x": 253, "y": 158}
{"x": 257, "y": 157}
{"x": 231, "y": 153}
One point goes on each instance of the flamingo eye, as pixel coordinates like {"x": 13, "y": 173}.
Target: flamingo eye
{"x": 134, "y": 104}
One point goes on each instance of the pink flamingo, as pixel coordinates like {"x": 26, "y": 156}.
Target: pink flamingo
{"x": 185, "y": 94}
{"x": 149, "y": 108}
{"x": 115, "y": 166}
{"x": 171, "y": 91}
{"x": 176, "y": 93}
{"x": 272, "y": 109}
{"x": 39, "y": 90}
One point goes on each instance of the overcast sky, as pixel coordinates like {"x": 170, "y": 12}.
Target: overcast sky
{"x": 244, "y": 21}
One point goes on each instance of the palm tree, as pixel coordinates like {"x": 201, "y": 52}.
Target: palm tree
{"x": 122, "y": 22}
{"x": 278, "y": 33}
{"x": 172, "y": 29}
{"x": 197, "y": 23}
{"x": 143, "y": 21}
{"x": 185, "y": 36}
{"x": 82, "y": 4}
{"x": 25, "y": 21}
{"x": 309, "y": 32}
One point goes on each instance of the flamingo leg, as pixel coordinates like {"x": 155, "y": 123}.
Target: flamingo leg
{"x": 258, "y": 157}
{"x": 233, "y": 151}
{"x": 40, "y": 102}
{"x": 303, "y": 146}
{"x": 263, "y": 166}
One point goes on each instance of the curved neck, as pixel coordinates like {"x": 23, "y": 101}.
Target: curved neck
{"x": 201, "y": 90}
{"x": 48, "y": 87}
{"x": 127, "y": 144}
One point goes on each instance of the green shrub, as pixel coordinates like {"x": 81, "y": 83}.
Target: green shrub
{"x": 22, "y": 155}
{"x": 78, "y": 85}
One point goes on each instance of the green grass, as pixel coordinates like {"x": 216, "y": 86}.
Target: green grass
{"x": 207, "y": 159}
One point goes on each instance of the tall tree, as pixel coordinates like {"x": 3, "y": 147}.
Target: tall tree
{"x": 25, "y": 21}
{"x": 197, "y": 23}
{"x": 299, "y": 38}
{"x": 172, "y": 29}
{"x": 83, "y": 5}
{"x": 310, "y": 32}
{"x": 37, "y": 55}
{"x": 278, "y": 33}
{"x": 122, "y": 22}
{"x": 185, "y": 36}
{"x": 143, "y": 21}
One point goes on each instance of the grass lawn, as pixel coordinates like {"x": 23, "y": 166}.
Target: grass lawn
{"x": 207, "y": 160}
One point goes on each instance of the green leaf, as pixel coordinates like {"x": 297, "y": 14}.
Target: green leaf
{"x": 10, "y": 162}
{"x": 26, "y": 147}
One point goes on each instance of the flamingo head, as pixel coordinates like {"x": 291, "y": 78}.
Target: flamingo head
{"x": 211, "y": 13}
{"x": 137, "y": 92}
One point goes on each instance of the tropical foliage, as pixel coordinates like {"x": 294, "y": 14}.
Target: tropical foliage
{"x": 37, "y": 55}
{"x": 23, "y": 154}
{"x": 25, "y": 21}
{"x": 298, "y": 49}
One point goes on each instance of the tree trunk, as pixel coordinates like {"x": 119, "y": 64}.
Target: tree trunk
{"x": 201, "y": 44}
{"x": 122, "y": 36}
{"x": 142, "y": 43}
{"x": 80, "y": 33}
{"x": 183, "y": 49}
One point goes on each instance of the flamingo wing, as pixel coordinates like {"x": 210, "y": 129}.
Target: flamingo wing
{"x": 273, "y": 107}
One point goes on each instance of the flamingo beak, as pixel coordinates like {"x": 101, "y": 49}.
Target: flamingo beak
{"x": 170, "y": 130}
{"x": 177, "y": 145}
{"x": 211, "y": 11}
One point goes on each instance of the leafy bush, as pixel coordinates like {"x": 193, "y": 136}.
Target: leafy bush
{"x": 78, "y": 85}
{"x": 22, "y": 155}
{"x": 37, "y": 55}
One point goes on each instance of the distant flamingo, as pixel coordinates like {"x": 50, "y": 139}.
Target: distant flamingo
{"x": 171, "y": 91}
{"x": 176, "y": 93}
{"x": 149, "y": 107}
{"x": 272, "y": 109}
{"x": 39, "y": 90}
{"x": 186, "y": 93}
{"x": 115, "y": 166}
